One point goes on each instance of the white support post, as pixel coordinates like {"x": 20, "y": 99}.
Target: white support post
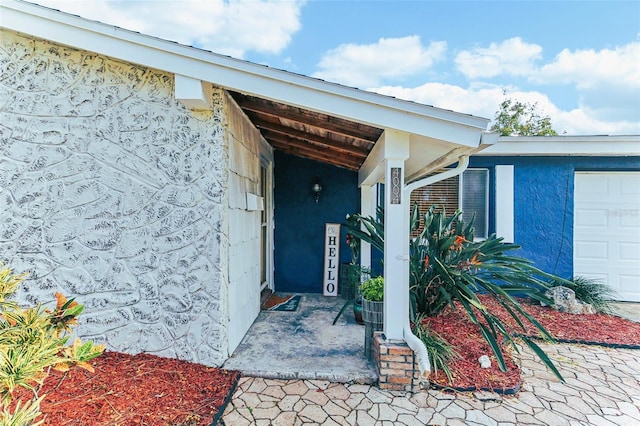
{"x": 396, "y": 233}
{"x": 367, "y": 208}
{"x": 395, "y": 250}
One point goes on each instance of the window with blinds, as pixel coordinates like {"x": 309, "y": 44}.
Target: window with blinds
{"x": 474, "y": 199}
{"x": 469, "y": 192}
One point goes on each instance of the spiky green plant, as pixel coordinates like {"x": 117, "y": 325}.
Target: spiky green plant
{"x": 591, "y": 291}
{"x": 32, "y": 341}
{"x": 447, "y": 266}
{"x": 441, "y": 353}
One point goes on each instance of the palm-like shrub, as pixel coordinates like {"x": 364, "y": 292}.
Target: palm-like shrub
{"x": 447, "y": 266}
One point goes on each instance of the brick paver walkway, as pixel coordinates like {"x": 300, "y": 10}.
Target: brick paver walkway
{"x": 602, "y": 388}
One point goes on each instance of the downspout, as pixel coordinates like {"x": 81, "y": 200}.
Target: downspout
{"x": 416, "y": 345}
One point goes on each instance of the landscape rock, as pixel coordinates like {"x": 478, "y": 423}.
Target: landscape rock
{"x": 564, "y": 300}
{"x": 484, "y": 361}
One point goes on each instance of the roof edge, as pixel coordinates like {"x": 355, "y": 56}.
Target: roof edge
{"x": 588, "y": 146}
{"x": 251, "y": 78}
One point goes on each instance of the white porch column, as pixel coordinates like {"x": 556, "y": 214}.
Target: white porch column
{"x": 396, "y": 247}
{"x": 367, "y": 208}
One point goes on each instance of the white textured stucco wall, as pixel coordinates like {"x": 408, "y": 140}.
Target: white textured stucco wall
{"x": 113, "y": 192}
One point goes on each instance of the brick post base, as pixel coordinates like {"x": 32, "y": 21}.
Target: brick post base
{"x": 395, "y": 364}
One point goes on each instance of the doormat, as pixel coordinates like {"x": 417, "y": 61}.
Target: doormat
{"x": 284, "y": 303}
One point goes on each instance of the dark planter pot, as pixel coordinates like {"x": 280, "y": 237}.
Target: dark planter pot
{"x": 357, "y": 310}
{"x": 372, "y": 315}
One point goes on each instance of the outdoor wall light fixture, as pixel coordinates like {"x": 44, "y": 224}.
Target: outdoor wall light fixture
{"x": 316, "y": 189}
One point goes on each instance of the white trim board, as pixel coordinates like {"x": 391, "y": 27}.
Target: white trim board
{"x": 504, "y": 210}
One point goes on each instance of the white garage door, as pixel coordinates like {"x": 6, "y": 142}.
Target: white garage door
{"x": 606, "y": 233}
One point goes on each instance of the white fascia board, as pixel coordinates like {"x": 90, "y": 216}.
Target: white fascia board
{"x": 246, "y": 77}
{"x": 588, "y": 146}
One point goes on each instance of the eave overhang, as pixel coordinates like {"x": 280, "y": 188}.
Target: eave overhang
{"x": 304, "y": 116}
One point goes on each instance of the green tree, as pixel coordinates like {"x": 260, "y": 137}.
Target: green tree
{"x": 515, "y": 118}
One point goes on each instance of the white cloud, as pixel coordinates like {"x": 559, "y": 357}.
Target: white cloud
{"x": 510, "y": 57}
{"x": 484, "y": 100}
{"x": 607, "y": 81}
{"x": 362, "y": 65}
{"x": 480, "y": 101}
{"x": 589, "y": 68}
{"x": 231, "y": 28}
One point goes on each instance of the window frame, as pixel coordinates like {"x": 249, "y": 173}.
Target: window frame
{"x": 486, "y": 200}
{"x": 460, "y": 196}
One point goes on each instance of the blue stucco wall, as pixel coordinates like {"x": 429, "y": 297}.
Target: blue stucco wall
{"x": 543, "y": 211}
{"x": 300, "y": 222}
{"x": 543, "y": 198}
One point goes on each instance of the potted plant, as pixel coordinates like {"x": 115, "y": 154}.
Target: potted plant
{"x": 372, "y": 309}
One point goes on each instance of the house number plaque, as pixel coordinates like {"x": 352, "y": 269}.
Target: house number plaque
{"x": 331, "y": 259}
{"x": 396, "y": 186}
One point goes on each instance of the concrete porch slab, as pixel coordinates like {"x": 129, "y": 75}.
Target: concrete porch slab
{"x": 305, "y": 345}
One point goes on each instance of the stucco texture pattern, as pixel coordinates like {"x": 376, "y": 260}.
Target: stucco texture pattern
{"x": 112, "y": 192}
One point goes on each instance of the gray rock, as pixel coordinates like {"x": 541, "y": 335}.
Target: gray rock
{"x": 564, "y": 300}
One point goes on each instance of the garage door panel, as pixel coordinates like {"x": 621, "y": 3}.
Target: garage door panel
{"x": 630, "y": 219}
{"x": 628, "y": 283}
{"x": 591, "y": 188}
{"x": 591, "y": 250}
{"x": 629, "y": 251}
{"x": 607, "y": 230}
{"x": 628, "y": 190}
{"x": 593, "y": 218}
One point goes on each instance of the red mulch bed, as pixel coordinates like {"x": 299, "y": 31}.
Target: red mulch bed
{"x": 128, "y": 390}
{"x": 465, "y": 337}
{"x": 144, "y": 389}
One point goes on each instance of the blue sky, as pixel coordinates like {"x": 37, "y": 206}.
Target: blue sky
{"x": 578, "y": 60}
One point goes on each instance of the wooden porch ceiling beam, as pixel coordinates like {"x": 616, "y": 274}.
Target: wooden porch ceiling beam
{"x": 364, "y": 133}
{"x": 288, "y": 146}
{"x": 328, "y": 159}
{"x": 270, "y": 129}
{"x": 303, "y": 145}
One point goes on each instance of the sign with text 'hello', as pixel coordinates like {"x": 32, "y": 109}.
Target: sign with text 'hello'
{"x": 331, "y": 259}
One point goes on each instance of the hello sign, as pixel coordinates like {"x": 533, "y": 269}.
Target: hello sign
{"x": 331, "y": 259}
